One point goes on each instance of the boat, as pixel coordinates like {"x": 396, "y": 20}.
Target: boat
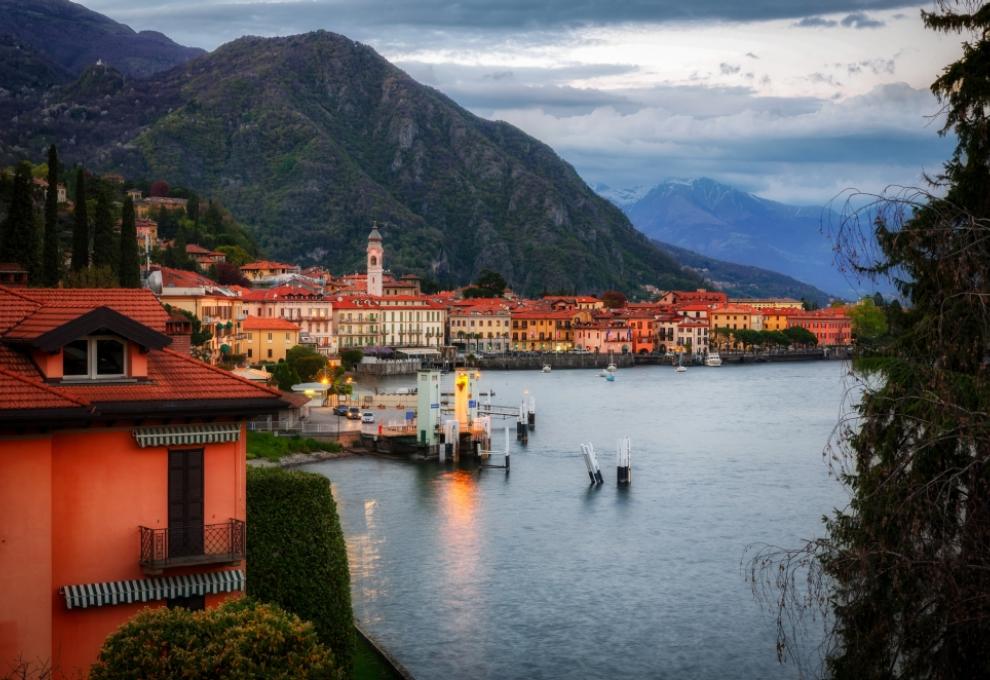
{"x": 713, "y": 359}
{"x": 610, "y": 377}
{"x": 680, "y": 368}
{"x": 611, "y": 368}
{"x": 546, "y": 368}
{"x": 603, "y": 373}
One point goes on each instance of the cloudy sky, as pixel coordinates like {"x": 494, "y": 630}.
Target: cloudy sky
{"x": 795, "y": 100}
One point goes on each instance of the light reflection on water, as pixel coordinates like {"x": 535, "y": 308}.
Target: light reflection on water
{"x": 536, "y": 575}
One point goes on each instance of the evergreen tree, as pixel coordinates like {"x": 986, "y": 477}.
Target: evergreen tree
{"x": 905, "y": 568}
{"x": 129, "y": 269}
{"x": 103, "y": 237}
{"x": 21, "y": 242}
{"x": 52, "y": 253}
{"x": 80, "y": 228}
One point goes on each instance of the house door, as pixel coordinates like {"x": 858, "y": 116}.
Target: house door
{"x": 185, "y": 503}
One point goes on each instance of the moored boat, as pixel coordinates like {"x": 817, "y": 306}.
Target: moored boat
{"x": 713, "y": 359}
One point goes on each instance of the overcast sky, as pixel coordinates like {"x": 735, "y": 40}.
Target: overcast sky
{"x": 795, "y": 100}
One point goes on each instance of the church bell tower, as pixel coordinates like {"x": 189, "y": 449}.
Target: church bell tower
{"x": 375, "y": 265}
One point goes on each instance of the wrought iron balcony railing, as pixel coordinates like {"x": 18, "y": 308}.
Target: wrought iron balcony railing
{"x": 181, "y": 546}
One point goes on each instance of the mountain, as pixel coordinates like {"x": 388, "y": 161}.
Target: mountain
{"x": 621, "y": 197}
{"x": 73, "y": 37}
{"x": 742, "y": 281}
{"x": 309, "y": 138}
{"x": 719, "y": 221}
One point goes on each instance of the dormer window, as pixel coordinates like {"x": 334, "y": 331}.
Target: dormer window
{"x": 95, "y": 357}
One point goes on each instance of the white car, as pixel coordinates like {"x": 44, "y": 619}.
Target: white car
{"x": 367, "y": 417}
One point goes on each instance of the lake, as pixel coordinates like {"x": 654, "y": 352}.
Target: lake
{"x": 535, "y": 574}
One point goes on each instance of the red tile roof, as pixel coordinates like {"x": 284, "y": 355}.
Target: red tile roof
{"x": 174, "y": 382}
{"x": 180, "y": 278}
{"x": 260, "y": 323}
{"x": 267, "y": 264}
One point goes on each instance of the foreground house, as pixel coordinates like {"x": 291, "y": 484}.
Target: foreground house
{"x": 122, "y": 471}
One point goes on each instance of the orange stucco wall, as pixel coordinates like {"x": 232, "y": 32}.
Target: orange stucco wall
{"x": 25, "y": 545}
{"x": 97, "y": 487}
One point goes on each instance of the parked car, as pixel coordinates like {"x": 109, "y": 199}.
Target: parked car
{"x": 367, "y": 417}
{"x": 340, "y": 410}
{"x": 354, "y": 413}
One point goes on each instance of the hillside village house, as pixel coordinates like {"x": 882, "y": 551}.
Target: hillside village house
{"x": 267, "y": 339}
{"x": 122, "y": 471}
{"x": 218, "y": 308}
{"x": 267, "y": 270}
{"x": 151, "y": 206}
{"x": 312, "y": 311}
{"x": 204, "y": 257}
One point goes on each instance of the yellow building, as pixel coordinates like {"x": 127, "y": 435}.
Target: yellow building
{"x": 734, "y": 318}
{"x": 265, "y": 269}
{"x": 769, "y": 303}
{"x": 267, "y": 339}
{"x": 535, "y": 330}
{"x": 776, "y": 319}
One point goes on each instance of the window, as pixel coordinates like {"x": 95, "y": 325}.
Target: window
{"x": 96, "y": 357}
{"x": 269, "y": 354}
{"x": 250, "y": 353}
{"x": 269, "y": 338}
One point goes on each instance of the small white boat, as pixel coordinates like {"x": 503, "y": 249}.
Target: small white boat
{"x": 681, "y": 369}
{"x": 603, "y": 373}
{"x": 611, "y": 368}
{"x": 713, "y": 359}
{"x": 546, "y": 368}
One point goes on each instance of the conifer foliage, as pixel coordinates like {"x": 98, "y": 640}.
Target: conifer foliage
{"x": 20, "y": 235}
{"x": 52, "y": 253}
{"x": 80, "y": 227}
{"x": 129, "y": 269}
{"x": 904, "y": 572}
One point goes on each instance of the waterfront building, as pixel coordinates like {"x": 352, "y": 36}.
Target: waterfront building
{"x": 831, "y": 326}
{"x": 357, "y": 322}
{"x": 480, "y": 325}
{"x": 122, "y": 471}
{"x": 776, "y": 318}
{"x": 604, "y": 335}
{"x": 545, "y": 330}
{"x": 691, "y": 336}
{"x": 266, "y": 339}
{"x": 769, "y": 303}
{"x": 412, "y": 321}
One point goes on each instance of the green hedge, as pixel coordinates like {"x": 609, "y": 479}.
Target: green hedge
{"x": 296, "y": 556}
{"x": 267, "y": 445}
{"x": 241, "y": 639}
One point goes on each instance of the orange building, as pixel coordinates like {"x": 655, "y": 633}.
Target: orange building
{"x": 830, "y": 325}
{"x": 122, "y": 472}
{"x": 545, "y": 330}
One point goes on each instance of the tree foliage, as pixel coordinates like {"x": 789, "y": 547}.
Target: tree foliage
{"x": 296, "y": 553}
{"x": 129, "y": 268}
{"x": 21, "y": 238}
{"x": 305, "y": 361}
{"x": 104, "y": 254}
{"x": 904, "y": 571}
{"x": 868, "y": 320}
{"x": 240, "y": 639}
{"x": 51, "y": 262}
{"x": 285, "y": 376}
{"x": 614, "y": 299}
{"x": 80, "y": 226}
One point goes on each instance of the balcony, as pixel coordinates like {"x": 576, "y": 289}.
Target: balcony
{"x": 190, "y": 546}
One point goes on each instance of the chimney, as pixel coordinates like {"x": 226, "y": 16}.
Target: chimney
{"x": 179, "y": 328}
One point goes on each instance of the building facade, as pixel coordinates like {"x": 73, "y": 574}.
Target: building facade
{"x": 122, "y": 472}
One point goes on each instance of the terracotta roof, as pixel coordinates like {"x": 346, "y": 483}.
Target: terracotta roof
{"x": 196, "y": 249}
{"x": 275, "y": 323}
{"x": 67, "y": 303}
{"x": 19, "y": 392}
{"x": 262, "y": 294}
{"x": 267, "y": 264}
{"x": 180, "y": 278}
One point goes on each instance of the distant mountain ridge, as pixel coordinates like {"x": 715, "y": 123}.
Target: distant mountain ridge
{"x": 74, "y": 38}
{"x": 307, "y": 139}
{"x": 719, "y": 221}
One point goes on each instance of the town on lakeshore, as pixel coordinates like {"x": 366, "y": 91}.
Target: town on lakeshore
{"x": 357, "y": 340}
{"x": 124, "y": 412}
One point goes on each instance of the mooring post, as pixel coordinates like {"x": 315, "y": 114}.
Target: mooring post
{"x": 591, "y": 462}
{"x": 531, "y": 412}
{"x": 506, "y": 449}
{"x": 623, "y": 462}
{"x": 522, "y": 433}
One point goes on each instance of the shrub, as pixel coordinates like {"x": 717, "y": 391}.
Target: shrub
{"x": 296, "y": 554}
{"x": 267, "y": 445}
{"x": 240, "y": 639}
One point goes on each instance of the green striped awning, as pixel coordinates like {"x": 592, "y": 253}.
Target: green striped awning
{"x": 149, "y": 589}
{"x": 174, "y": 435}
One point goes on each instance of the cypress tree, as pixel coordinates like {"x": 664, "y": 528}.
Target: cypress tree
{"x": 21, "y": 243}
{"x": 128, "y": 270}
{"x": 51, "y": 256}
{"x": 80, "y": 229}
{"x": 103, "y": 250}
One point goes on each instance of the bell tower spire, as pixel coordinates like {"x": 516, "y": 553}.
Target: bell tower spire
{"x": 375, "y": 261}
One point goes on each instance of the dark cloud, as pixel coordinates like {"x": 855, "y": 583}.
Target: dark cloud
{"x": 216, "y": 21}
{"x": 729, "y": 69}
{"x": 861, "y": 20}
{"x": 816, "y": 22}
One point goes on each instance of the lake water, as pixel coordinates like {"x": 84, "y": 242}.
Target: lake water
{"x": 467, "y": 574}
